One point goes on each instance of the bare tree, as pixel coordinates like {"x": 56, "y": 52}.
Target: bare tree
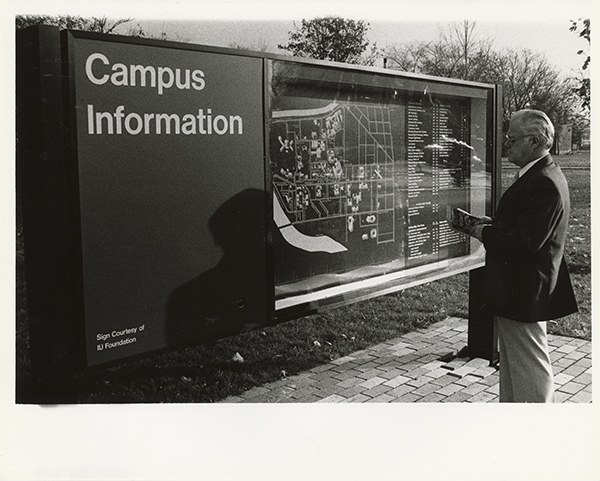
{"x": 75, "y": 22}
{"x": 409, "y": 57}
{"x": 260, "y": 45}
{"x": 93, "y": 24}
{"x": 529, "y": 81}
{"x": 456, "y": 53}
{"x": 458, "y": 39}
{"x": 527, "y": 78}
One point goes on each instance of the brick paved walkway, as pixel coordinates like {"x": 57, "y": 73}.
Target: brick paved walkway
{"x": 421, "y": 367}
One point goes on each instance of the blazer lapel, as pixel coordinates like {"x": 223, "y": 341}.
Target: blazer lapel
{"x": 516, "y": 187}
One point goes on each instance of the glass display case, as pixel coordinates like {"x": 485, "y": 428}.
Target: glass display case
{"x": 365, "y": 168}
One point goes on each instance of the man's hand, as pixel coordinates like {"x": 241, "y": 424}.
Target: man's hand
{"x": 477, "y": 229}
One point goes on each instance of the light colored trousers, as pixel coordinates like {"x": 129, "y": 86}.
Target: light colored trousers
{"x": 525, "y": 367}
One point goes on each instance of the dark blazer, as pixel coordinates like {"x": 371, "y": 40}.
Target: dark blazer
{"x": 525, "y": 271}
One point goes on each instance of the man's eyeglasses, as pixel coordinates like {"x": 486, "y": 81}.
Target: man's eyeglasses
{"x": 510, "y": 141}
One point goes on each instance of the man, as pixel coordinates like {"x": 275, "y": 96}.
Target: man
{"x": 527, "y": 282}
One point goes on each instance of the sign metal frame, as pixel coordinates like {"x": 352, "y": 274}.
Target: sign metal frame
{"x": 47, "y": 171}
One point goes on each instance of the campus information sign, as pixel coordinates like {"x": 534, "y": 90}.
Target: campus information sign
{"x": 207, "y": 192}
{"x": 172, "y": 195}
{"x": 365, "y": 169}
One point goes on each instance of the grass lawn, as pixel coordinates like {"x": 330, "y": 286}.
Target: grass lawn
{"x": 206, "y": 373}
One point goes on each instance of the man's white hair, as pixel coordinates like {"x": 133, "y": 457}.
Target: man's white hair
{"x": 537, "y": 124}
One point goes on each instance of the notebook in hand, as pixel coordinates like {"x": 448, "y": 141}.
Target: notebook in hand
{"x": 461, "y": 219}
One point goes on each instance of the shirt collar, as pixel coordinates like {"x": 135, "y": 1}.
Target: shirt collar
{"x": 529, "y": 166}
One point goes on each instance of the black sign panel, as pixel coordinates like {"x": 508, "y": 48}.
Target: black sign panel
{"x": 172, "y": 195}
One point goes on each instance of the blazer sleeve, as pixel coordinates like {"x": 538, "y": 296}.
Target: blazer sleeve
{"x": 531, "y": 223}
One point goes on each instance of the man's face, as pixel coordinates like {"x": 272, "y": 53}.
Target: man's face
{"x": 518, "y": 143}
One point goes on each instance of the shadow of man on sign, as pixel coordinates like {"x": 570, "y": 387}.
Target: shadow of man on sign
{"x": 231, "y": 297}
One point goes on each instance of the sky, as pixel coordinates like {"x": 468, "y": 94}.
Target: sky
{"x": 550, "y": 37}
{"x": 542, "y": 26}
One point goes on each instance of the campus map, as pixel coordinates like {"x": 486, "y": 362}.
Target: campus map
{"x": 357, "y": 185}
{"x": 332, "y": 174}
